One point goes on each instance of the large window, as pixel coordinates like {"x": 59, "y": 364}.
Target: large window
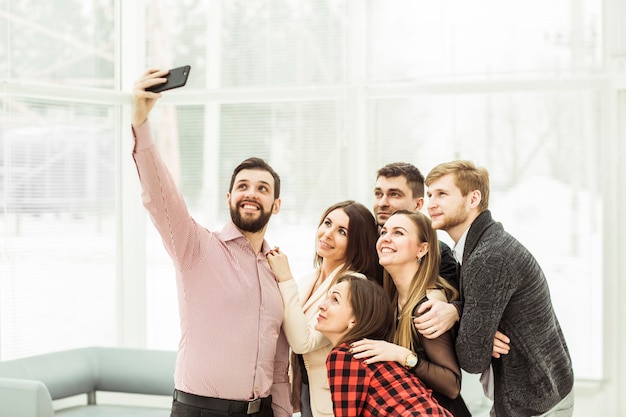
{"x": 57, "y": 177}
{"x": 495, "y": 105}
{"x": 327, "y": 91}
{"x": 58, "y": 226}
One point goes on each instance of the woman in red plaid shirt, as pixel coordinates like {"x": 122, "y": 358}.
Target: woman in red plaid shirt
{"x": 355, "y": 309}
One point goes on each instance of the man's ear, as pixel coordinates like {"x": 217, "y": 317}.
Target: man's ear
{"x": 475, "y": 198}
{"x": 418, "y": 203}
{"x": 276, "y": 206}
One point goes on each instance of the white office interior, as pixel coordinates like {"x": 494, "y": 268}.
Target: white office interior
{"x": 327, "y": 91}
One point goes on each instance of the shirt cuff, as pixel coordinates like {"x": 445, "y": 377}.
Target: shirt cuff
{"x": 143, "y": 136}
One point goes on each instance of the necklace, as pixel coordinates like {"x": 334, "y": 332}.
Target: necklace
{"x": 398, "y": 312}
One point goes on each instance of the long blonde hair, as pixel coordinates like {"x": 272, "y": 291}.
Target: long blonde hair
{"x": 427, "y": 277}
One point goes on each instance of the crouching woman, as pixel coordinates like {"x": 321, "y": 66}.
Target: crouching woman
{"x": 355, "y": 309}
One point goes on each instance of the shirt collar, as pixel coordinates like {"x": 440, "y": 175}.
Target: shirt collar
{"x": 459, "y": 247}
{"x": 231, "y": 232}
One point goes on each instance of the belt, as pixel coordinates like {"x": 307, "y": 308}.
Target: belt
{"x": 220, "y": 404}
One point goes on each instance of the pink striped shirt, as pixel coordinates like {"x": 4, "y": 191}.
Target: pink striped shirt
{"x": 231, "y": 310}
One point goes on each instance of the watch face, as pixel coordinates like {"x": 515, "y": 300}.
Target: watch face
{"x": 411, "y": 361}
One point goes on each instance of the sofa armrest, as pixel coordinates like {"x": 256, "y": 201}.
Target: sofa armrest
{"x": 24, "y": 398}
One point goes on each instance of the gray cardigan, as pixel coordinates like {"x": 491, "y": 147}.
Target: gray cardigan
{"x": 505, "y": 289}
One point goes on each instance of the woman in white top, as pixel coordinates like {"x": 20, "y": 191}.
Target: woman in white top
{"x": 345, "y": 243}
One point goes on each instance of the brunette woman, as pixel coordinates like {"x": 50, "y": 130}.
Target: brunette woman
{"x": 357, "y": 309}
{"x": 345, "y": 242}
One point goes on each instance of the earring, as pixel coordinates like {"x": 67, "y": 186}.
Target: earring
{"x": 419, "y": 260}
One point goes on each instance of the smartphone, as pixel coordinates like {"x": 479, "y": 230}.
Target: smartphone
{"x": 176, "y": 78}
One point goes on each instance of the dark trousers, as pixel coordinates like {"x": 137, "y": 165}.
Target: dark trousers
{"x": 183, "y": 410}
{"x": 305, "y": 401}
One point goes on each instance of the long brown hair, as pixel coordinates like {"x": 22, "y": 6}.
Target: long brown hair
{"x": 373, "y": 314}
{"x": 361, "y": 255}
{"x": 427, "y": 277}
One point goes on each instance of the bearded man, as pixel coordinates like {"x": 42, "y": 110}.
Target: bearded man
{"x": 233, "y": 357}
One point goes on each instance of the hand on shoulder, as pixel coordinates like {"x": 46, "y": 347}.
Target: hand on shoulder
{"x": 435, "y": 317}
{"x": 436, "y": 294}
{"x": 279, "y": 264}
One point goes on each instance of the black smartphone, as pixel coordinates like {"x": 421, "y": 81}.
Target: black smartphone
{"x": 176, "y": 78}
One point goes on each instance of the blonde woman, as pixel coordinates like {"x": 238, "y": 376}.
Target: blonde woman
{"x": 408, "y": 249}
{"x": 345, "y": 242}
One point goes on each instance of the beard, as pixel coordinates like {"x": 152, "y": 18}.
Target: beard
{"x": 453, "y": 220}
{"x": 251, "y": 226}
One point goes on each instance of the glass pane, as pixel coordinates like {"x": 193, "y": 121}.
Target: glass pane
{"x": 177, "y": 36}
{"x": 61, "y": 42}
{"x": 254, "y": 42}
{"x": 483, "y": 38}
{"x": 4, "y": 44}
{"x": 305, "y": 144}
{"x": 283, "y": 42}
{"x": 57, "y": 227}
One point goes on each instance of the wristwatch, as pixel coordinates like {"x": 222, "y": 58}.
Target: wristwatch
{"x": 411, "y": 361}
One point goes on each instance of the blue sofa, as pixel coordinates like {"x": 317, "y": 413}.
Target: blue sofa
{"x": 29, "y": 385}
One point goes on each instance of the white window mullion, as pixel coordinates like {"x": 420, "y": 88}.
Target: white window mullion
{"x": 131, "y": 292}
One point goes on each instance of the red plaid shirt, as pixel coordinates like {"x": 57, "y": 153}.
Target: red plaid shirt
{"x": 379, "y": 389}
